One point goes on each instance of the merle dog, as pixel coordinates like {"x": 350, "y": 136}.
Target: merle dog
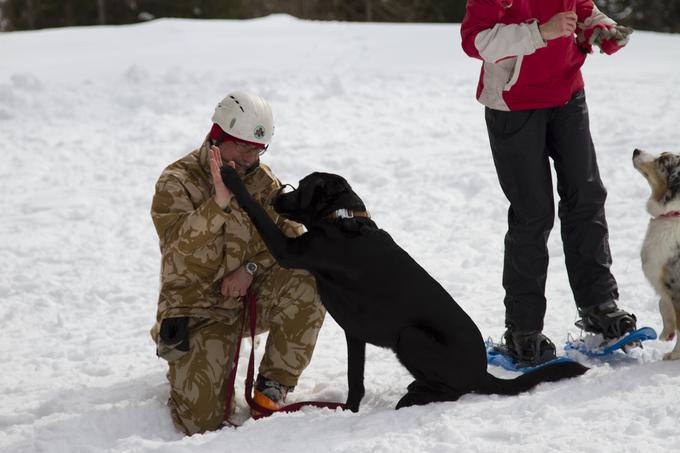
{"x": 378, "y": 294}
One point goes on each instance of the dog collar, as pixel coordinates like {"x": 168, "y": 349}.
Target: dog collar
{"x": 347, "y": 214}
{"x": 668, "y": 215}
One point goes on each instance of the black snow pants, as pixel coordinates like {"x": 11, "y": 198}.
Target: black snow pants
{"x": 522, "y": 143}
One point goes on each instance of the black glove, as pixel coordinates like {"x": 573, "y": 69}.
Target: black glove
{"x": 175, "y": 333}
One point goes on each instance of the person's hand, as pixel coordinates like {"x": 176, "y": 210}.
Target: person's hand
{"x": 560, "y": 25}
{"x": 222, "y": 193}
{"x": 586, "y": 37}
{"x": 609, "y": 38}
{"x": 615, "y": 39}
{"x": 236, "y": 284}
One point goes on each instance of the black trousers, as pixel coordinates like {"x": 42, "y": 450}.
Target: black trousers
{"x": 522, "y": 143}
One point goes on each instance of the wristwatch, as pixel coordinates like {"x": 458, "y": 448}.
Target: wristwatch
{"x": 251, "y": 268}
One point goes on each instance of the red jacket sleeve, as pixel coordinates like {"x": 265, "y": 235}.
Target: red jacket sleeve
{"x": 589, "y": 15}
{"x": 485, "y": 36}
{"x": 479, "y": 15}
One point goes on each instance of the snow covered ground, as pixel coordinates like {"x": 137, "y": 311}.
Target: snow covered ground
{"x": 90, "y": 116}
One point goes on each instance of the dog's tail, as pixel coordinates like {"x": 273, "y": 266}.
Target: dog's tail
{"x": 547, "y": 373}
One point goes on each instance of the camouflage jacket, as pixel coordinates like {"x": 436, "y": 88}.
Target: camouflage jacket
{"x": 200, "y": 243}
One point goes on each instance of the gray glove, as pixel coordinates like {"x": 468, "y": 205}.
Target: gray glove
{"x": 620, "y": 34}
{"x": 609, "y": 38}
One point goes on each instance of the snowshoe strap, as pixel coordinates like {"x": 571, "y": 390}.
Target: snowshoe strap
{"x": 607, "y": 319}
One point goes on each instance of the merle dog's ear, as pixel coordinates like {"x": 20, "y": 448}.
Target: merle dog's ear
{"x": 673, "y": 179}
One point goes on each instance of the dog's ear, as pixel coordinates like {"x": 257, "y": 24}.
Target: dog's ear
{"x": 308, "y": 187}
{"x": 672, "y": 166}
{"x": 335, "y": 187}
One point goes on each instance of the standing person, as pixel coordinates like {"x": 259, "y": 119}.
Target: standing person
{"x": 536, "y": 109}
{"x": 211, "y": 256}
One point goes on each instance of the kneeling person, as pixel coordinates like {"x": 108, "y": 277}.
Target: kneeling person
{"x": 211, "y": 256}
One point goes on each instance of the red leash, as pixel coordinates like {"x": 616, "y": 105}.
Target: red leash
{"x": 249, "y": 306}
{"x": 232, "y": 376}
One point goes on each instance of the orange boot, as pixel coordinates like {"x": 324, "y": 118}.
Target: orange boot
{"x": 268, "y": 394}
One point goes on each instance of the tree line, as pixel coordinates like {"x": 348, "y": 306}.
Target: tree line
{"x": 656, "y": 15}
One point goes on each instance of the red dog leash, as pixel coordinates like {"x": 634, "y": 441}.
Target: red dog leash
{"x": 249, "y": 306}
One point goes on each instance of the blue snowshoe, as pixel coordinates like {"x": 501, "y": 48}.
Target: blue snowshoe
{"x": 522, "y": 351}
{"x": 598, "y": 346}
{"x": 608, "y": 329}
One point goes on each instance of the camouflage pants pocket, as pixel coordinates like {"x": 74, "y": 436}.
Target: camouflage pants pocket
{"x": 198, "y": 379}
{"x": 169, "y": 353}
{"x": 173, "y": 341}
{"x": 173, "y": 338}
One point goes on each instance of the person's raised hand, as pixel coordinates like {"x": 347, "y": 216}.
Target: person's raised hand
{"x": 560, "y": 25}
{"x": 232, "y": 179}
{"x": 222, "y": 193}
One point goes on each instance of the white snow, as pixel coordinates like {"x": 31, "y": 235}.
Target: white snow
{"x": 90, "y": 116}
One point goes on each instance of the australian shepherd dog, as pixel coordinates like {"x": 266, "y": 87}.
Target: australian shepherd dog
{"x": 661, "y": 247}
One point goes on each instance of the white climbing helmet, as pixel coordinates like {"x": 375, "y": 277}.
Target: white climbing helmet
{"x": 246, "y": 116}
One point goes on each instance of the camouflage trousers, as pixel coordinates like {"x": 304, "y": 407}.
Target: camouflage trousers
{"x": 288, "y": 307}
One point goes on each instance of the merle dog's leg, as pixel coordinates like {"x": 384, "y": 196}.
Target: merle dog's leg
{"x": 356, "y": 357}
{"x": 669, "y": 318}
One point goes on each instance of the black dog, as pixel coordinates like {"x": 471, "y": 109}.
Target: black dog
{"x": 378, "y": 294}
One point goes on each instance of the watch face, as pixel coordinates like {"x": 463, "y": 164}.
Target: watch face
{"x": 251, "y": 268}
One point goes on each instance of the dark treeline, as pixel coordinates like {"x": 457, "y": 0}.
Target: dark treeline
{"x": 657, "y": 15}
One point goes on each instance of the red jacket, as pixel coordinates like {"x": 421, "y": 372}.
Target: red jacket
{"x": 520, "y": 70}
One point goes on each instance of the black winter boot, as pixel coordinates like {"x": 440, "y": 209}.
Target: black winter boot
{"x": 529, "y": 348}
{"x": 607, "y": 319}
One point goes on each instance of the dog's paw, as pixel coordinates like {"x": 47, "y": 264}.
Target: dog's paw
{"x": 229, "y": 174}
{"x": 667, "y": 334}
{"x": 673, "y": 355}
{"x": 352, "y": 407}
{"x": 354, "y": 400}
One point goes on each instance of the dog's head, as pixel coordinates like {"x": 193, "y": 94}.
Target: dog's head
{"x": 663, "y": 175}
{"x": 317, "y": 196}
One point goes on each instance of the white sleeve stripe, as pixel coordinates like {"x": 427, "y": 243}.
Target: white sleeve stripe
{"x": 596, "y": 17}
{"x": 508, "y": 40}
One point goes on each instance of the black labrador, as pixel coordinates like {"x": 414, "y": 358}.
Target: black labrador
{"x": 378, "y": 294}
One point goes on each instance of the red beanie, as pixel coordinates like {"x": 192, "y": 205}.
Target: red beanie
{"x": 218, "y": 136}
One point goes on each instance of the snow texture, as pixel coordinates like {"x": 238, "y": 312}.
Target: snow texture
{"x": 90, "y": 116}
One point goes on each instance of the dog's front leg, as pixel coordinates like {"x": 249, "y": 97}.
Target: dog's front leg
{"x": 668, "y": 316}
{"x": 277, "y": 243}
{"x": 356, "y": 357}
{"x": 671, "y": 320}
